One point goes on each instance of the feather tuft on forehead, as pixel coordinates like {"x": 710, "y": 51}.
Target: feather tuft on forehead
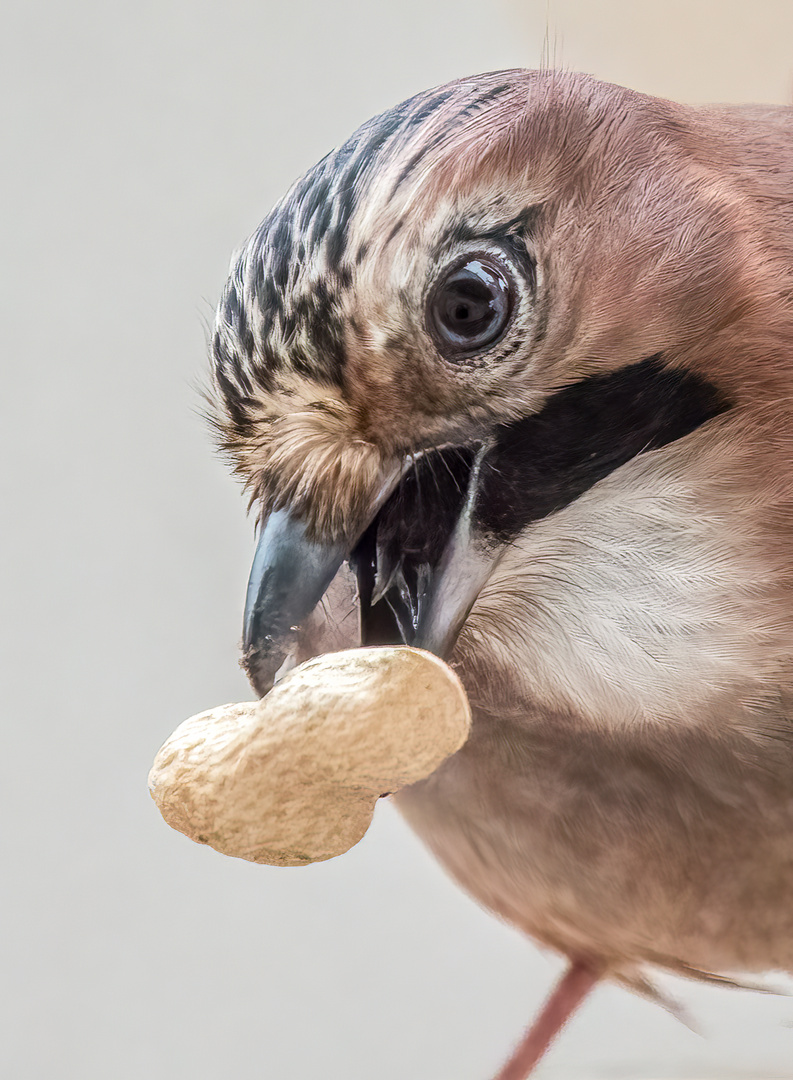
{"x": 302, "y": 387}
{"x": 298, "y": 449}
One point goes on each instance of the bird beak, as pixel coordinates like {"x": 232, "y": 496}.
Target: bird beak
{"x": 429, "y": 591}
{"x": 289, "y": 576}
{"x": 419, "y": 568}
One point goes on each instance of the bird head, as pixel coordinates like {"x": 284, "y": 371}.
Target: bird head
{"x": 486, "y": 301}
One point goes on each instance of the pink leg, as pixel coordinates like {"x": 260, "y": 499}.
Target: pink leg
{"x": 574, "y": 986}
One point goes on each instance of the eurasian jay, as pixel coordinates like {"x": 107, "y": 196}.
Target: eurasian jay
{"x": 519, "y": 357}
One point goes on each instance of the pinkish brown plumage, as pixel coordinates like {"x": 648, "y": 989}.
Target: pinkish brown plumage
{"x": 521, "y": 353}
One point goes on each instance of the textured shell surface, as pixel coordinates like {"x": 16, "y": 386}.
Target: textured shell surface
{"x": 294, "y": 778}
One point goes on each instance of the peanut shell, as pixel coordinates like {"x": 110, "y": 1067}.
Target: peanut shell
{"x": 294, "y": 778}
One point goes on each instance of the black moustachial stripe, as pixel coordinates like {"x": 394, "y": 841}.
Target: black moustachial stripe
{"x": 537, "y": 466}
{"x": 586, "y": 431}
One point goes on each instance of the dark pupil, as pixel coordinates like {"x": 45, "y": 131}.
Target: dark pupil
{"x": 471, "y": 308}
{"x": 470, "y": 300}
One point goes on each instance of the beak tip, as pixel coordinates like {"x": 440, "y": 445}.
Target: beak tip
{"x": 289, "y": 575}
{"x": 258, "y": 669}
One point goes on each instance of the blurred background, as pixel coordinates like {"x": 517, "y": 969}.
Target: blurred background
{"x": 141, "y": 143}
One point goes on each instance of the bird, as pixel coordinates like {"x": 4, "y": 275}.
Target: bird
{"x": 508, "y": 376}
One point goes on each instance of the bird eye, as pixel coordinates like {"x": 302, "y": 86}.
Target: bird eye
{"x": 470, "y": 307}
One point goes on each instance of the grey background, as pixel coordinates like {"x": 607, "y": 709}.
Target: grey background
{"x": 141, "y": 143}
